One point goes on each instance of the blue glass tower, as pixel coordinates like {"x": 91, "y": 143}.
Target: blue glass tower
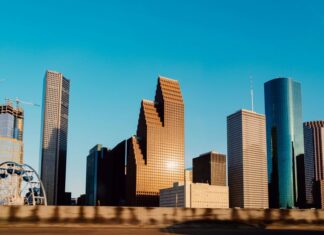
{"x": 283, "y": 107}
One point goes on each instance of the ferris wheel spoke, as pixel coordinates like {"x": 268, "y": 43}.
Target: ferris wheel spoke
{"x": 20, "y": 184}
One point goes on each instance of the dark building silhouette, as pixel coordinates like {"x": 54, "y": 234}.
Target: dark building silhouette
{"x": 81, "y": 201}
{"x": 105, "y": 180}
{"x": 210, "y": 168}
{"x": 155, "y": 155}
{"x": 301, "y": 203}
{"x": 285, "y": 141}
{"x": 68, "y": 199}
{"x": 54, "y": 136}
{"x": 114, "y": 175}
{"x": 95, "y": 185}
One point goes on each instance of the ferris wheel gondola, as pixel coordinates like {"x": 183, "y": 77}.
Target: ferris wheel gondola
{"x": 20, "y": 185}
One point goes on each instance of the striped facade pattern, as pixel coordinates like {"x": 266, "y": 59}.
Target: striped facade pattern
{"x": 314, "y": 157}
{"x": 247, "y": 160}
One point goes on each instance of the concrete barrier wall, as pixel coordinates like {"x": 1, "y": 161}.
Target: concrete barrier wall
{"x": 157, "y": 217}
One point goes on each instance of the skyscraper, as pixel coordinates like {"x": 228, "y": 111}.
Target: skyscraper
{"x": 95, "y": 187}
{"x": 210, "y": 168}
{"x": 115, "y": 175}
{"x": 54, "y": 136}
{"x": 156, "y": 154}
{"x": 314, "y": 159}
{"x": 11, "y": 133}
{"x": 283, "y": 106}
{"x": 247, "y": 160}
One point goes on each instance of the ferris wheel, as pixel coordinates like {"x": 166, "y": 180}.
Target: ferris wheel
{"x": 20, "y": 185}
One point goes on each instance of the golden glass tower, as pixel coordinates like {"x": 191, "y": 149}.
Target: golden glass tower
{"x": 155, "y": 158}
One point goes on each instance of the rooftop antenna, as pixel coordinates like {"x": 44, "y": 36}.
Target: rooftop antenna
{"x": 252, "y": 93}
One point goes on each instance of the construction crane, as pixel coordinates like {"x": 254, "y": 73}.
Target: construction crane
{"x": 19, "y": 101}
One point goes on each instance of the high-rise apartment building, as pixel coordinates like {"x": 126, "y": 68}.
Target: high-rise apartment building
{"x": 247, "y": 160}
{"x": 155, "y": 158}
{"x": 285, "y": 143}
{"x": 210, "y": 168}
{"x": 314, "y": 160}
{"x": 11, "y": 133}
{"x": 54, "y": 136}
{"x": 95, "y": 187}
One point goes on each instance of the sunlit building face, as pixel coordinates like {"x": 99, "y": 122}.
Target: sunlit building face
{"x": 156, "y": 154}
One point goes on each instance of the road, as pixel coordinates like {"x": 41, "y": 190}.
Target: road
{"x": 150, "y": 231}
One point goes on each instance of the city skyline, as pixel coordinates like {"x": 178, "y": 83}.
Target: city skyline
{"x": 214, "y": 72}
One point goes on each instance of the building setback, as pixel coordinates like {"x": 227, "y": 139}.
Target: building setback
{"x": 155, "y": 155}
{"x": 247, "y": 160}
{"x": 314, "y": 161}
{"x": 285, "y": 143}
{"x": 210, "y": 168}
{"x": 54, "y": 136}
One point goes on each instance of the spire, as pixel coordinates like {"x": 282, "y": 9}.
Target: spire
{"x": 252, "y": 93}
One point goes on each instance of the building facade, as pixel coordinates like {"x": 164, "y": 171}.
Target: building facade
{"x": 54, "y": 136}
{"x": 115, "y": 175}
{"x": 283, "y": 106}
{"x": 155, "y": 158}
{"x": 190, "y": 195}
{"x": 210, "y": 168}
{"x": 11, "y": 133}
{"x": 188, "y": 175}
{"x": 320, "y": 195}
{"x": 314, "y": 159}
{"x": 247, "y": 160}
{"x": 94, "y": 176}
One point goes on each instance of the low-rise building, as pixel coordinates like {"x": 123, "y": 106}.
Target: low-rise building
{"x": 190, "y": 195}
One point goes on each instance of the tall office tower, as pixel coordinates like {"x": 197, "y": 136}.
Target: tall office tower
{"x": 210, "y": 168}
{"x": 11, "y": 133}
{"x": 284, "y": 140}
{"x": 54, "y": 136}
{"x": 156, "y": 154}
{"x": 247, "y": 160}
{"x": 95, "y": 187}
{"x": 314, "y": 159}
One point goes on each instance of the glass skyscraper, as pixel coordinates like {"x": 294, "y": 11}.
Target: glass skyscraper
{"x": 94, "y": 176}
{"x": 155, "y": 158}
{"x": 283, "y": 107}
{"x": 54, "y": 136}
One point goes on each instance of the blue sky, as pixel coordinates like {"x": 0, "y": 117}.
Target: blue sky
{"x": 113, "y": 52}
